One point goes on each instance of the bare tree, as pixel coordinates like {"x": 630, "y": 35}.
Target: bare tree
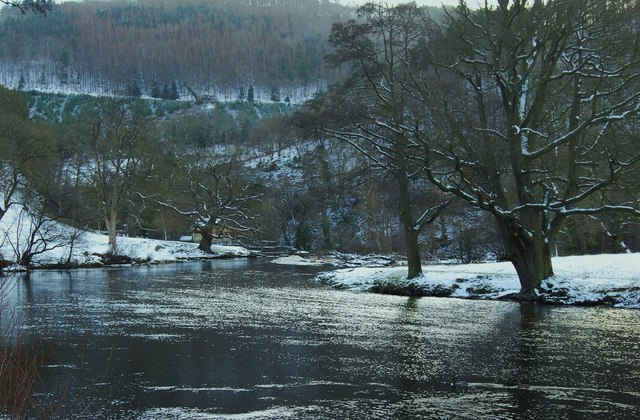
{"x": 33, "y": 233}
{"x": 216, "y": 195}
{"x": 23, "y": 144}
{"x": 34, "y": 228}
{"x": 12, "y": 134}
{"x": 531, "y": 116}
{"x": 39, "y": 6}
{"x": 114, "y": 156}
{"x": 373, "y": 109}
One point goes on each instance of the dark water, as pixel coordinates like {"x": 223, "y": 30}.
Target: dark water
{"x": 245, "y": 339}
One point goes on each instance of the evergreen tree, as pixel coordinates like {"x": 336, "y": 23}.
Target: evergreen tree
{"x": 174, "y": 91}
{"x": 165, "y": 92}
{"x": 21, "y": 83}
{"x": 250, "y": 97}
{"x": 155, "y": 90}
{"x": 133, "y": 89}
{"x": 275, "y": 94}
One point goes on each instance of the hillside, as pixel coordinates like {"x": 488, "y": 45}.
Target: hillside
{"x": 214, "y": 47}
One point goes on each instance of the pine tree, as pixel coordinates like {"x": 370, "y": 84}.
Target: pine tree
{"x": 155, "y": 90}
{"x": 165, "y": 92}
{"x": 133, "y": 89}
{"x": 275, "y": 94}
{"x": 174, "y": 91}
{"x": 250, "y": 97}
{"x": 21, "y": 83}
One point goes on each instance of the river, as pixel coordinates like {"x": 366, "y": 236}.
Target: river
{"x": 247, "y": 339}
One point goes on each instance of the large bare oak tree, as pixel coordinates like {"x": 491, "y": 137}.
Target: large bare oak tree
{"x": 531, "y": 114}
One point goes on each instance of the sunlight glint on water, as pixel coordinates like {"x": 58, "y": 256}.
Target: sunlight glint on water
{"x": 250, "y": 340}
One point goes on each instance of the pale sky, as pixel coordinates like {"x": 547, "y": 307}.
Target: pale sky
{"x": 471, "y": 3}
{"x": 418, "y": 2}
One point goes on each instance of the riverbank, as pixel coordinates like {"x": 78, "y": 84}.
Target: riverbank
{"x": 56, "y": 245}
{"x": 92, "y": 250}
{"x": 608, "y": 279}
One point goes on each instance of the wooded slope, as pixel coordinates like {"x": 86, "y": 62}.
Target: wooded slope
{"x": 203, "y": 44}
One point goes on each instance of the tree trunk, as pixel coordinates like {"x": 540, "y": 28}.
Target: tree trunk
{"x": 413, "y": 253}
{"x": 206, "y": 238}
{"x": 25, "y": 259}
{"x": 110, "y": 220}
{"x": 410, "y": 233}
{"x": 531, "y": 257}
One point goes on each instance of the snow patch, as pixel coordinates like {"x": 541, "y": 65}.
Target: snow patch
{"x": 610, "y": 279}
{"x": 297, "y": 260}
{"x": 89, "y": 247}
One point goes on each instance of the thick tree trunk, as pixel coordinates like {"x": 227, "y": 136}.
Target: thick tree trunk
{"x": 533, "y": 264}
{"x": 531, "y": 257}
{"x": 205, "y": 241}
{"x": 410, "y": 233}
{"x": 413, "y": 253}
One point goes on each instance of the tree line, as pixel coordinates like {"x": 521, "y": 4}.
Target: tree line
{"x": 526, "y": 111}
{"x": 208, "y": 46}
{"x": 241, "y": 170}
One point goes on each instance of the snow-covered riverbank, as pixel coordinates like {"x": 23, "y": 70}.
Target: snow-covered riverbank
{"x": 580, "y": 280}
{"x": 92, "y": 249}
{"x": 61, "y": 245}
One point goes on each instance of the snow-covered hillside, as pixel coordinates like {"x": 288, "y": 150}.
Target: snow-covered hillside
{"x": 62, "y": 244}
{"x": 41, "y": 78}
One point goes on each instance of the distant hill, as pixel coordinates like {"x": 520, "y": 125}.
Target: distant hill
{"x": 220, "y": 48}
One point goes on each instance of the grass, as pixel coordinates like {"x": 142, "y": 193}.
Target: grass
{"x": 20, "y": 362}
{"x": 19, "y": 377}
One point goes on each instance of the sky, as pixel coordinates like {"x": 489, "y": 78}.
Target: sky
{"x": 418, "y": 2}
{"x": 471, "y": 3}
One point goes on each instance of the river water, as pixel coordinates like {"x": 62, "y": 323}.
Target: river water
{"x": 246, "y": 339}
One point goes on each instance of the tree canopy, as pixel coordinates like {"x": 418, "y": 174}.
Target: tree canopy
{"x": 527, "y": 110}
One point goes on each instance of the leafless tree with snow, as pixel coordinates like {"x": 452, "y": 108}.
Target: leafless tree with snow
{"x": 531, "y": 114}
{"x": 216, "y": 194}
{"x": 373, "y": 110}
{"x": 113, "y": 155}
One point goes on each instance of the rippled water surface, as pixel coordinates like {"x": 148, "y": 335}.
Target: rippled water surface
{"x": 244, "y": 339}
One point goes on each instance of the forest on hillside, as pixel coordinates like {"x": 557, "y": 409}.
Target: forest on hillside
{"x": 214, "y": 47}
{"x": 178, "y": 167}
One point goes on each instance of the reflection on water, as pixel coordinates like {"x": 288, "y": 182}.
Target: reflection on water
{"x": 240, "y": 338}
